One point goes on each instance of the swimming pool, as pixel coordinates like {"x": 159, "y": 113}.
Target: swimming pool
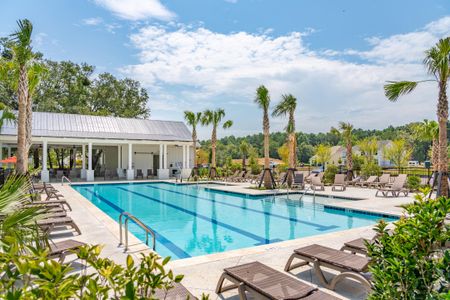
{"x": 191, "y": 220}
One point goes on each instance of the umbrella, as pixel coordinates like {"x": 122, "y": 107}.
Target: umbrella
{"x": 9, "y": 160}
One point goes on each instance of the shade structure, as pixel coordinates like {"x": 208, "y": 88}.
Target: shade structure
{"x": 9, "y": 160}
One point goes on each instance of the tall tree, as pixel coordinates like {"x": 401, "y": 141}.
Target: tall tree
{"x": 287, "y": 107}
{"x": 345, "y": 132}
{"x": 429, "y": 131}
{"x": 437, "y": 62}
{"x": 22, "y": 58}
{"x": 263, "y": 100}
{"x": 193, "y": 119}
{"x": 398, "y": 153}
{"x": 214, "y": 118}
{"x": 244, "y": 148}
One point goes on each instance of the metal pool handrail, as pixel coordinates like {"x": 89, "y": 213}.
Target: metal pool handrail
{"x": 147, "y": 230}
{"x": 68, "y": 180}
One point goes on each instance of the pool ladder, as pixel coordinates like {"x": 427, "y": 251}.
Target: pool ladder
{"x": 138, "y": 222}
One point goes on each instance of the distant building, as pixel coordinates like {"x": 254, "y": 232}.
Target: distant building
{"x": 339, "y": 155}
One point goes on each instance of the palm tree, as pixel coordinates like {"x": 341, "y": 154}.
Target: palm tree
{"x": 263, "y": 100}
{"x": 437, "y": 62}
{"x": 22, "y": 57}
{"x": 193, "y": 119}
{"x": 345, "y": 131}
{"x": 244, "y": 147}
{"x": 287, "y": 106}
{"x": 214, "y": 117}
{"x": 428, "y": 131}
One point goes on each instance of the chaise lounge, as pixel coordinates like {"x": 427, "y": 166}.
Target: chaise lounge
{"x": 339, "y": 182}
{"x": 263, "y": 282}
{"x": 396, "y": 188}
{"x": 349, "y": 265}
{"x": 50, "y": 223}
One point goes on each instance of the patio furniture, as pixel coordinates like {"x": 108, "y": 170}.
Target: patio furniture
{"x": 317, "y": 184}
{"x": 348, "y": 265}
{"x": 382, "y": 181}
{"x": 368, "y": 182}
{"x": 354, "y": 181}
{"x": 177, "y": 292}
{"x": 51, "y": 223}
{"x": 139, "y": 174}
{"x": 299, "y": 181}
{"x": 356, "y": 246}
{"x": 339, "y": 182}
{"x": 63, "y": 248}
{"x": 51, "y": 193}
{"x": 264, "y": 282}
{"x": 149, "y": 173}
{"x": 396, "y": 188}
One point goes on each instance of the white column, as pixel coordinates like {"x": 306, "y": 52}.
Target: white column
{"x": 9, "y": 155}
{"x": 83, "y": 162}
{"x": 184, "y": 156}
{"x": 163, "y": 172}
{"x": 161, "y": 153}
{"x": 188, "y": 157}
{"x": 90, "y": 172}
{"x": 119, "y": 160}
{"x": 45, "y": 174}
{"x": 130, "y": 171}
{"x": 165, "y": 156}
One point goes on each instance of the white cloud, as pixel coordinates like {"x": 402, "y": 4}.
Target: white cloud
{"x": 92, "y": 21}
{"x": 137, "y": 9}
{"x": 196, "y": 68}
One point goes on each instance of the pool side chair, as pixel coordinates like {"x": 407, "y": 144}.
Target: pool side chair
{"x": 149, "y": 173}
{"x": 317, "y": 184}
{"x": 49, "y": 224}
{"x": 383, "y": 180}
{"x": 357, "y": 246}
{"x": 366, "y": 183}
{"x": 139, "y": 174}
{"x": 177, "y": 292}
{"x": 63, "y": 248}
{"x": 299, "y": 181}
{"x": 37, "y": 200}
{"x": 339, "y": 183}
{"x": 348, "y": 265}
{"x": 51, "y": 193}
{"x": 397, "y": 187}
{"x": 354, "y": 181}
{"x": 239, "y": 176}
{"x": 263, "y": 282}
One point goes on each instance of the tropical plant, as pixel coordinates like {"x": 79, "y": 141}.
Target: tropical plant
{"x": 287, "y": 107}
{"x": 283, "y": 152}
{"x": 262, "y": 99}
{"x": 411, "y": 261}
{"x": 345, "y": 132}
{"x": 368, "y": 148}
{"x": 244, "y": 148}
{"x": 413, "y": 182}
{"x": 330, "y": 173}
{"x": 323, "y": 154}
{"x": 437, "y": 62}
{"x": 429, "y": 131}
{"x": 193, "y": 119}
{"x": 7, "y": 116}
{"x": 398, "y": 153}
{"x": 370, "y": 168}
{"x": 214, "y": 118}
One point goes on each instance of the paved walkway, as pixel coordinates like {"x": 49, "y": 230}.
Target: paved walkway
{"x": 202, "y": 273}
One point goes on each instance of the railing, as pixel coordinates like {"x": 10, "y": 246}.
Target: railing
{"x": 147, "y": 230}
{"x": 67, "y": 179}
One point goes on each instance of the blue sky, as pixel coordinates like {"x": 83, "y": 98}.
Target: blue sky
{"x": 334, "y": 56}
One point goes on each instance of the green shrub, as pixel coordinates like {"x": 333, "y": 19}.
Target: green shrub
{"x": 282, "y": 168}
{"x": 329, "y": 174}
{"x": 370, "y": 168}
{"x": 255, "y": 169}
{"x": 413, "y": 182}
{"x": 412, "y": 262}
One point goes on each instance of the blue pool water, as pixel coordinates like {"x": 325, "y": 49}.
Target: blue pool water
{"x": 191, "y": 220}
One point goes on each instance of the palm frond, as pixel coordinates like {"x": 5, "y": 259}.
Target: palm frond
{"x": 394, "y": 89}
{"x": 262, "y": 98}
{"x": 227, "y": 124}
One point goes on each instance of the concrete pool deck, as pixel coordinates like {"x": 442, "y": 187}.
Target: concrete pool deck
{"x": 202, "y": 272}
